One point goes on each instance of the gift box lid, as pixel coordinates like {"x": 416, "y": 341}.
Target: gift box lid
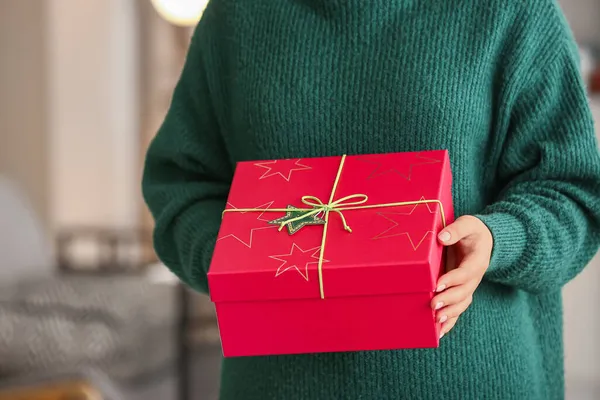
{"x": 390, "y": 249}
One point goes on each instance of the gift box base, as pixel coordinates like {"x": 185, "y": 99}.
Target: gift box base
{"x": 400, "y": 321}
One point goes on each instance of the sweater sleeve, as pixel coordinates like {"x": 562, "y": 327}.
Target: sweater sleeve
{"x": 546, "y": 221}
{"x": 187, "y": 175}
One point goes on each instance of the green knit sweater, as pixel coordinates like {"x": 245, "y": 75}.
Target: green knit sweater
{"x": 495, "y": 82}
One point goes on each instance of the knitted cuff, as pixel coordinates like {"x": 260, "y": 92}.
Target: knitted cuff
{"x": 510, "y": 241}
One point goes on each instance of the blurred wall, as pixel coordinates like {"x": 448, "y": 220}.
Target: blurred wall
{"x": 93, "y": 100}
{"x": 584, "y": 16}
{"x": 581, "y": 296}
{"x": 23, "y": 95}
{"x": 69, "y": 118}
{"x": 581, "y": 316}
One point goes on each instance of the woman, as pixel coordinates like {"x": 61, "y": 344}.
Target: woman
{"x": 494, "y": 82}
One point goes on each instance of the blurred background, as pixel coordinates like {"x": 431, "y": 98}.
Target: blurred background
{"x": 86, "y": 310}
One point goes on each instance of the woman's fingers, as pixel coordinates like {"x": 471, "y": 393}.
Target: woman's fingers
{"x": 461, "y": 228}
{"x": 446, "y": 326}
{"x": 456, "y": 277}
{"x": 467, "y": 270}
{"x": 453, "y": 311}
{"x": 453, "y": 295}
{"x": 470, "y": 243}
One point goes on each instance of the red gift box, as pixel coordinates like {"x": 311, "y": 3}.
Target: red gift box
{"x": 331, "y": 254}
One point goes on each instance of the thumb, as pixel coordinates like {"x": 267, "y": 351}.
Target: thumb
{"x": 456, "y": 231}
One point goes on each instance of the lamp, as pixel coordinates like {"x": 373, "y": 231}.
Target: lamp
{"x": 185, "y": 13}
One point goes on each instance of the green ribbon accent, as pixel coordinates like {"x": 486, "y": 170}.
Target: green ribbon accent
{"x": 296, "y": 218}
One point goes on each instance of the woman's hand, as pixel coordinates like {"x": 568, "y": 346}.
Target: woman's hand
{"x": 470, "y": 246}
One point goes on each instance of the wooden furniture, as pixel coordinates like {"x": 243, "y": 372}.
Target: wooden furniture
{"x": 68, "y": 390}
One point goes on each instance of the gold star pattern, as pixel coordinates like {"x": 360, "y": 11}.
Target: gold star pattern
{"x": 393, "y": 218}
{"x": 239, "y": 229}
{"x": 283, "y": 168}
{"x": 401, "y": 166}
{"x": 297, "y": 260}
{"x": 295, "y": 226}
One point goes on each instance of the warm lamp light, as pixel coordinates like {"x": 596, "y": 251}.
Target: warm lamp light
{"x": 180, "y": 12}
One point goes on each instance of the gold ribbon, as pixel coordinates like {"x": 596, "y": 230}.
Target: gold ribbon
{"x": 351, "y": 202}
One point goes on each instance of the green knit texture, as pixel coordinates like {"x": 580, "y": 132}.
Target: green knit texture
{"x": 495, "y": 82}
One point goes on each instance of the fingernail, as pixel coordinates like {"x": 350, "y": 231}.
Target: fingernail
{"x": 439, "y": 305}
{"x": 442, "y": 335}
{"x": 443, "y": 319}
{"x": 440, "y": 288}
{"x": 444, "y": 236}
